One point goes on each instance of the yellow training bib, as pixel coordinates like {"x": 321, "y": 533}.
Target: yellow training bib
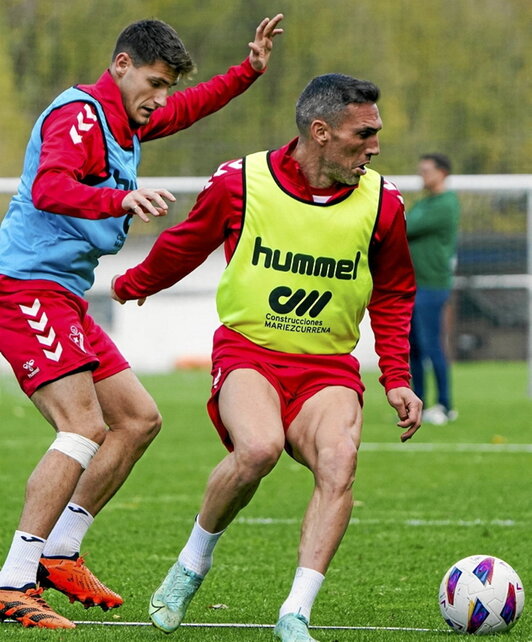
{"x": 299, "y": 279}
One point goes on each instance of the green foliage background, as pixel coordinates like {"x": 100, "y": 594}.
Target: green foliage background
{"x": 455, "y": 74}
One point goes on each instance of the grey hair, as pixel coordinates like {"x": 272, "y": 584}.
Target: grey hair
{"x": 327, "y": 96}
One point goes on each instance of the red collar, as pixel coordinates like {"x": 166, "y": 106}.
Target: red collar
{"x": 107, "y": 93}
{"x": 289, "y": 172}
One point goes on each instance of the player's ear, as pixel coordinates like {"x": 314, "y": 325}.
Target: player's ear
{"x": 121, "y": 63}
{"x": 319, "y": 131}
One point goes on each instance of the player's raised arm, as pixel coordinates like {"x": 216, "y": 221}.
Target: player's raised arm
{"x": 261, "y": 47}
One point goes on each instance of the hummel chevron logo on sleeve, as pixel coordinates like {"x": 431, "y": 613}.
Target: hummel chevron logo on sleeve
{"x": 83, "y": 125}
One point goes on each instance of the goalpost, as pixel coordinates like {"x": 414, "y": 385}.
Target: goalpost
{"x": 495, "y": 249}
{"x": 493, "y": 284}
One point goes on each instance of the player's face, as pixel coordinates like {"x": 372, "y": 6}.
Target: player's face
{"x": 350, "y": 146}
{"x": 144, "y": 89}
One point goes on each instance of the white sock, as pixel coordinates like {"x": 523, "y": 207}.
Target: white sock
{"x": 307, "y": 583}
{"x": 20, "y": 567}
{"x": 68, "y": 532}
{"x": 197, "y": 553}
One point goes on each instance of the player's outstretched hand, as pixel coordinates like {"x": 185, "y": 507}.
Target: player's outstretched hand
{"x": 115, "y": 296}
{"x": 408, "y": 407}
{"x": 261, "y": 47}
{"x": 144, "y": 201}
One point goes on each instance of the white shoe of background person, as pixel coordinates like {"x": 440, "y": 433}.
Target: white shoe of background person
{"x": 438, "y": 415}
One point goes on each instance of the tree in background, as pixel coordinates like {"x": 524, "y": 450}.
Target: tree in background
{"x": 453, "y": 73}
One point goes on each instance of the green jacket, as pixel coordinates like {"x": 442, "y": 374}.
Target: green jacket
{"x": 432, "y": 230}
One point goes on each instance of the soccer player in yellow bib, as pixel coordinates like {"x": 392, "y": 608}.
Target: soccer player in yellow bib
{"x": 313, "y": 238}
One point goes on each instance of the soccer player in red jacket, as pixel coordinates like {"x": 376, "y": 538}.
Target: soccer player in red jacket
{"x": 313, "y": 237}
{"x": 76, "y": 197}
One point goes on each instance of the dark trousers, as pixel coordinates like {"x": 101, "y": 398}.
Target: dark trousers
{"x": 426, "y": 344}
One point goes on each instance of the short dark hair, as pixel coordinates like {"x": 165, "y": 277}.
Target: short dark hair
{"x": 440, "y": 160}
{"x": 327, "y": 96}
{"x": 148, "y": 41}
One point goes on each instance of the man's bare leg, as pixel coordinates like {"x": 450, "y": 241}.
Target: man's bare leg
{"x": 133, "y": 421}
{"x": 325, "y": 437}
{"x": 249, "y": 408}
{"x": 70, "y": 405}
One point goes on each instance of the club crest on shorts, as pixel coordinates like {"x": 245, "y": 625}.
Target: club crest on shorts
{"x": 77, "y": 337}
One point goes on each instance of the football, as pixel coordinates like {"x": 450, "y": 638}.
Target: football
{"x": 481, "y": 595}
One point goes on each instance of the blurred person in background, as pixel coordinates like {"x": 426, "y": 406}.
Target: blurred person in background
{"x": 76, "y": 198}
{"x": 313, "y": 237}
{"x": 432, "y": 230}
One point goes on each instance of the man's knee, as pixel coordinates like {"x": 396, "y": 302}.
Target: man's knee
{"x": 257, "y": 458}
{"x": 336, "y": 465}
{"x": 151, "y": 421}
{"x": 144, "y": 425}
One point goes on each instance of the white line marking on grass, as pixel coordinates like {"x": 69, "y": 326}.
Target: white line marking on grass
{"x": 273, "y": 521}
{"x": 322, "y": 628}
{"x": 460, "y": 522}
{"x": 240, "y": 625}
{"x": 447, "y": 448}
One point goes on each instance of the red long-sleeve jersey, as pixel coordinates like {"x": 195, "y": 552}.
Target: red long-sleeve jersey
{"x": 216, "y": 218}
{"x": 68, "y": 172}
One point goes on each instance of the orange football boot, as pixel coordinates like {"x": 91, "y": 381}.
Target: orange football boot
{"x": 77, "y": 582}
{"x": 28, "y": 608}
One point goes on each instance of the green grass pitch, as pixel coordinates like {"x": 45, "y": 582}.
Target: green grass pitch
{"x": 453, "y": 491}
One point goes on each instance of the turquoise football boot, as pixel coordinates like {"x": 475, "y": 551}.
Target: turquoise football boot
{"x": 293, "y": 628}
{"x": 170, "y": 601}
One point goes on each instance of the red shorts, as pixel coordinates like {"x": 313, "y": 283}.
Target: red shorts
{"x": 295, "y": 377}
{"x": 46, "y": 333}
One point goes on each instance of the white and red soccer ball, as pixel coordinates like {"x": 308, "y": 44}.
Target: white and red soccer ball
{"x": 481, "y": 595}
